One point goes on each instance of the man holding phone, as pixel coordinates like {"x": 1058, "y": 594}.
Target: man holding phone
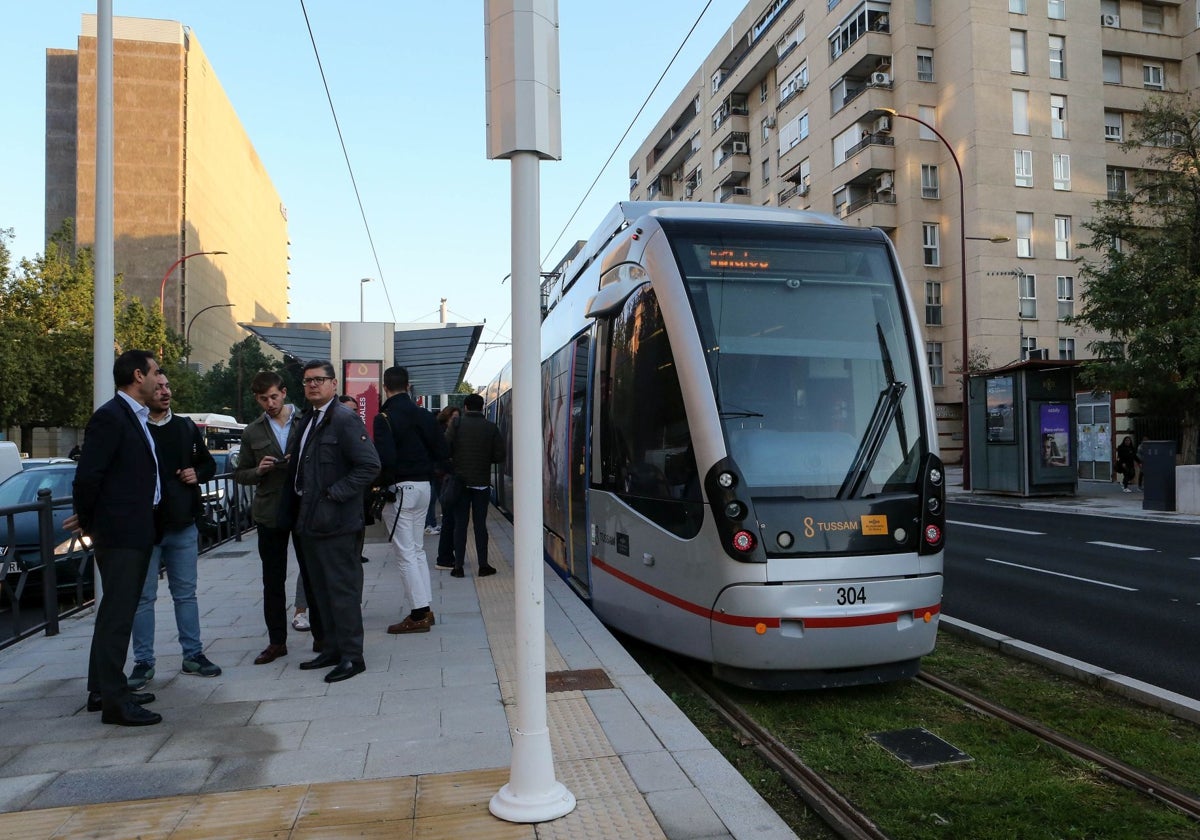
{"x": 263, "y": 462}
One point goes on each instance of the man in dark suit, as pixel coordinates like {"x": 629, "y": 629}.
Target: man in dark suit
{"x": 116, "y": 495}
{"x": 332, "y": 464}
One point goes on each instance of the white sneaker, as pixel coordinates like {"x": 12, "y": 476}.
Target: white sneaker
{"x": 433, "y": 530}
{"x": 300, "y": 622}
{"x": 1126, "y": 490}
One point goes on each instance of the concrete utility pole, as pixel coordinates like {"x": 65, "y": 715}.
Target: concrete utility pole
{"x": 521, "y": 38}
{"x": 104, "y": 335}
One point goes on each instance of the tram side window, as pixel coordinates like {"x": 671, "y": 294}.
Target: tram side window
{"x": 646, "y": 445}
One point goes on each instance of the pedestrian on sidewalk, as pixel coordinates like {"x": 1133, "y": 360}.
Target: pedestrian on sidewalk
{"x": 1127, "y": 462}
{"x": 116, "y": 495}
{"x": 475, "y": 444}
{"x": 445, "y": 533}
{"x": 332, "y": 465}
{"x": 410, "y": 448}
{"x": 184, "y": 463}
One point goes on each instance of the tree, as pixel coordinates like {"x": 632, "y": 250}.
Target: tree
{"x": 227, "y": 386}
{"x": 1141, "y": 291}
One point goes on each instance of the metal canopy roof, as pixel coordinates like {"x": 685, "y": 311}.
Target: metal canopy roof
{"x": 436, "y": 355}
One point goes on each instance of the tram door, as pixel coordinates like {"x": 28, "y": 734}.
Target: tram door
{"x": 577, "y": 462}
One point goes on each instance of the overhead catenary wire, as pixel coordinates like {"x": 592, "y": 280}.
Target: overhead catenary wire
{"x": 628, "y": 129}
{"x": 345, "y": 154}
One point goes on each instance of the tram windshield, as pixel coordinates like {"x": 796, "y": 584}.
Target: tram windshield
{"x": 810, "y": 355}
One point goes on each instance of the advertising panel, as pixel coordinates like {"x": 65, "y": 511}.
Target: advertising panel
{"x": 361, "y": 380}
{"x": 1054, "y": 435}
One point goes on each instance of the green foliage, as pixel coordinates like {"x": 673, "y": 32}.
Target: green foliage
{"x": 1140, "y": 287}
{"x": 226, "y": 386}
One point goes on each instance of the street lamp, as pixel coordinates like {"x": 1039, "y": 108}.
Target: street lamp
{"x": 187, "y": 334}
{"x": 362, "y": 284}
{"x": 162, "y": 289}
{"x": 962, "y": 232}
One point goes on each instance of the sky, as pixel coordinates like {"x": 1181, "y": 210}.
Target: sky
{"x": 407, "y": 82}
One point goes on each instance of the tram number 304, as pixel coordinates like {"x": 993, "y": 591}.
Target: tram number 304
{"x": 851, "y": 595}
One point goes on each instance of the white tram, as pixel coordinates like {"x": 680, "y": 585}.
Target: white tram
{"x": 740, "y": 458}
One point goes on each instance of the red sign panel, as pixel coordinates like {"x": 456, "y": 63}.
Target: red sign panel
{"x": 361, "y": 380}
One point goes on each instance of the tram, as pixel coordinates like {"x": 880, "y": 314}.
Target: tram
{"x": 740, "y": 456}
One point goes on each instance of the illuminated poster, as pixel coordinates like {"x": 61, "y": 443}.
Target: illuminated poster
{"x": 1054, "y": 437}
{"x": 361, "y": 381}
{"x": 1000, "y": 426}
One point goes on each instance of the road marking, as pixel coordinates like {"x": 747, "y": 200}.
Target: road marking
{"x": 996, "y": 528}
{"x": 1121, "y": 545}
{"x": 1060, "y": 574}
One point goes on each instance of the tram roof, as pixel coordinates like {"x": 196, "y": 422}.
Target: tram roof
{"x": 436, "y": 355}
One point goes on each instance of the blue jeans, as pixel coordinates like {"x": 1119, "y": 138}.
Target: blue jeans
{"x": 177, "y": 553}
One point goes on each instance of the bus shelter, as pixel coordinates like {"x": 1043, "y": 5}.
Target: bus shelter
{"x": 1023, "y": 431}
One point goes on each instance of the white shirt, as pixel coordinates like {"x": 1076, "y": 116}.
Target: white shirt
{"x": 143, "y": 416}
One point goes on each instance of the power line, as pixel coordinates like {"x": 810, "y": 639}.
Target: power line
{"x": 353, "y": 182}
{"x": 617, "y": 148}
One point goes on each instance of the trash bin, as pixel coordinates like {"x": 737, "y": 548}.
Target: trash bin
{"x": 1158, "y": 467}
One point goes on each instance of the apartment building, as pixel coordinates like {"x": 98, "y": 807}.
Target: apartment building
{"x": 870, "y": 111}
{"x": 187, "y": 183}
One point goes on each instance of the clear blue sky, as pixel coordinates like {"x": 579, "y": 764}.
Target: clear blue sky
{"x": 407, "y": 82}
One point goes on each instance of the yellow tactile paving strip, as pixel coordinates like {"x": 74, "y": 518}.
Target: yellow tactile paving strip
{"x": 429, "y": 807}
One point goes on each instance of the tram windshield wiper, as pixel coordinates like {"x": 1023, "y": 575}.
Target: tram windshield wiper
{"x": 886, "y": 411}
{"x": 736, "y": 414}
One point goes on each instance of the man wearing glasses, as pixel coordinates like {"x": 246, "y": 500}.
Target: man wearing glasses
{"x": 332, "y": 464}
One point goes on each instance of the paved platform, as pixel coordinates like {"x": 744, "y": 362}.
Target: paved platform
{"x": 413, "y": 748}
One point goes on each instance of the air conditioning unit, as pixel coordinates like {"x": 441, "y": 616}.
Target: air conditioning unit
{"x": 1113, "y": 21}
{"x": 803, "y": 190}
{"x": 687, "y": 193}
{"x": 880, "y": 78}
{"x": 884, "y": 183}
{"x": 882, "y": 125}
{"x": 741, "y": 191}
{"x": 1039, "y": 353}
{"x": 741, "y": 147}
{"x": 770, "y": 122}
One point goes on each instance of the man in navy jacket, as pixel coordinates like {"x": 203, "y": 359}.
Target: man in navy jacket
{"x": 116, "y": 495}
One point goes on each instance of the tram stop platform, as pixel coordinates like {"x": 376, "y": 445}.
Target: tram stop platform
{"x": 415, "y": 747}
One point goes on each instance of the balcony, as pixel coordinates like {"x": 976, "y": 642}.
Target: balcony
{"x": 734, "y": 194}
{"x": 1133, "y": 42}
{"x": 871, "y": 157}
{"x": 733, "y": 167}
{"x": 872, "y": 210}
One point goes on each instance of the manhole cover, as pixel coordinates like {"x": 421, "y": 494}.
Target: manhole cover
{"x": 919, "y": 748}
{"x": 585, "y": 680}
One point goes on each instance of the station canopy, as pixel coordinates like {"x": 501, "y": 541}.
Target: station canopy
{"x": 436, "y": 355}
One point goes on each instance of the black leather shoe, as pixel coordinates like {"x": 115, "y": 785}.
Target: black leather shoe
{"x": 141, "y": 698}
{"x": 345, "y": 670}
{"x": 457, "y": 572}
{"x": 484, "y": 571}
{"x": 322, "y": 661}
{"x": 130, "y": 714}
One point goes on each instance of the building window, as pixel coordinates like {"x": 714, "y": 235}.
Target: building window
{"x": 1062, "y": 239}
{"x": 1118, "y": 182}
{"x": 1028, "y": 347}
{"x": 1110, "y": 13}
{"x": 930, "y": 185}
{"x": 1020, "y": 99}
{"x": 1058, "y": 116}
{"x": 1027, "y": 299}
{"x": 1056, "y": 9}
{"x": 933, "y": 303}
{"x": 765, "y": 126}
{"x": 932, "y": 243}
{"x": 1152, "y": 17}
{"x": 1024, "y": 234}
{"x": 1023, "y": 166}
{"x": 1018, "y": 60}
{"x": 924, "y": 65}
{"x": 1112, "y": 126}
{"x": 1062, "y": 172}
{"x": 1017, "y": 7}
{"x": 1066, "y": 298}
{"x": 1066, "y": 348}
{"x": 766, "y": 171}
{"x": 928, "y": 113}
{"x": 933, "y": 356}
{"x": 1058, "y": 57}
{"x": 1152, "y": 76}
{"x": 1112, "y": 69}
{"x": 764, "y": 91}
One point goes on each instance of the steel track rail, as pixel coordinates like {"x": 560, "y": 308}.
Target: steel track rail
{"x": 1113, "y": 768}
{"x": 838, "y": 812}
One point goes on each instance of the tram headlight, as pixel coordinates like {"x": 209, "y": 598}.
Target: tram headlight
{"x": 934, "y": 504}
{"x": 735, "y": 510}
{"x": 935, "y": 476}
{"x": 726, "y": 480}
{"x": 744, "y": 541}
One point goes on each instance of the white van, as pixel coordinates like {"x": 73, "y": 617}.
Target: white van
{"x": 10, "y": 459}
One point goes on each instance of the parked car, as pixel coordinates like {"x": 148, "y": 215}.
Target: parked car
{"x": 20, "y": 550}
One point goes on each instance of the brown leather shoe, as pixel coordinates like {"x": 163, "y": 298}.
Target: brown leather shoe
{"x": 270, "y": 654}
{"x": 409, "y": 625}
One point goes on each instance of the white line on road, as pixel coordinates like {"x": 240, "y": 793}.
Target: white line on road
{"x": 1060, "y": 574}
{"x": 996, "y": 528}
{"x": 1121, "y": 545}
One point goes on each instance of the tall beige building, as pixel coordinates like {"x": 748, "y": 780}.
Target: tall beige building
{"x": 793, "y": 108}
{"x": 187, "y": 180}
